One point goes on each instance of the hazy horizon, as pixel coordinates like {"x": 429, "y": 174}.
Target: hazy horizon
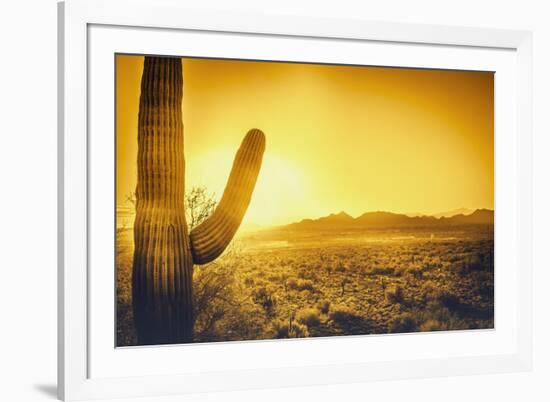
{"x": 125, "y": 216}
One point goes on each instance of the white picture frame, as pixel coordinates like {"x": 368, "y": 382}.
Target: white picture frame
{"x": 90, "y": 31}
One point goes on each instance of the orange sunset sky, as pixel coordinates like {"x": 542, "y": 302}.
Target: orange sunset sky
{"x": 339, "y": 138}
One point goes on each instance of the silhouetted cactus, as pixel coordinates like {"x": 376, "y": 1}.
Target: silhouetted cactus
{"x": 164, "y": 252}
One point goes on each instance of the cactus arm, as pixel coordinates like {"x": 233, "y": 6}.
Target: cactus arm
{"x": 210, "y": 238}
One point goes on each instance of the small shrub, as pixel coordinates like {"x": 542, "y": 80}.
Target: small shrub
{"x": 264, "y": 298}
{"x": 301, "y": 284}
{"x": 475, "y": 262}
{"x": 304, "y": 274}
{"x": 382, "y": 271}
{"x": 323, "y": 306}
{"x": 416, "y": 273}
{"x": 309, "y": 317}
{"x": 341, "y": 314}
{"x": 289, "y": 329}
{"x": 394, "y": 294}
{"x": 439, "y": 318}
{"x": 400, "y": 270}
{"x": 306, "y": 284}
{"x": 449, "y": 300}
{"x": 292, "y": 283}
{"x": 432, "y": 325}
{"x": 430, "y": 291}
{"x": 298, "y": 330}
{"x": 274, "y": 278}
{"x": 403, "y": 323}
{"x": 459, "y": 268}
{"x": 280, "y": 329}
{"x": 442, "y": 297}
{"x": 341, "y": 268}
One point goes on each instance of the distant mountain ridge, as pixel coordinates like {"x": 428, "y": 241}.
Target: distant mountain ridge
{"x": 449, "y": 214}
{"x": 381, "y": 219}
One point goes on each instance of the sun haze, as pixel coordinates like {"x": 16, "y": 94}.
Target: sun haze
{"x": 339, "y": 138}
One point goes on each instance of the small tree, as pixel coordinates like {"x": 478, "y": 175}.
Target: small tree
{"x": 199, "y": 205}
{"x": 214, "y": 297}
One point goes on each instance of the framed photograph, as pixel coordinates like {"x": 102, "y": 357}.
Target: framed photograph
{"x": 252, "y": 201}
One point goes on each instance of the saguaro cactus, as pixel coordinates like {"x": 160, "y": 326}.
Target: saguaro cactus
{"x": 164, "y": 251}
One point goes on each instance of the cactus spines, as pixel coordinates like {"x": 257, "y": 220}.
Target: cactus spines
{"x": 164, "y": 254}
{"x": 210, "y": 238}
{"x": 162, "y": 268}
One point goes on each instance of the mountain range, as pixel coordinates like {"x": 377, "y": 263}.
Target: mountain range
{"x": 382, "y": 219}
{"x": 459, "y": 211}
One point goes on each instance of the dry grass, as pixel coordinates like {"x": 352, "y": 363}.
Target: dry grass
{"x": 323, "y": 285}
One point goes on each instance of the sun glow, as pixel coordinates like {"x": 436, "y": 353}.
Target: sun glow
{"x": 280, "y": 195}
{"x": 338, "y": 138}
{"x": 287, "y": 180}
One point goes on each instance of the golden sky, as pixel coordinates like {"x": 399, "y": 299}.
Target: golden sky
{"x": 339, "y": 138}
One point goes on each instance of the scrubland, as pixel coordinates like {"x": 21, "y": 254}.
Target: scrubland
{"x": 281, "y": 284}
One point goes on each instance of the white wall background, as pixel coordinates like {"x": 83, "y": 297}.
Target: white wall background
{"x": 28, "y": 198}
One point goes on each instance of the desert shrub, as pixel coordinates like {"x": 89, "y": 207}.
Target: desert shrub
{"x": 222, "y": 312}
{"x": 454, "y": 258}
{"x": 244, "y": 322}
{"x": 403, "y": 323}
{"x": 438, "y": 318}
{"x": 213, "y": 295}
{"x": 289, "y": 329}
{"x": 446, "y": 298}
{"x": 382, "y": 271}
{"x": 301, "y": 284}
{"x": 274, "y": 277}
{"x": 309, "y": 317}
{"x": 486, "y": 288}
{"x": 449, "y": 300}
{"x": 475, "y": 262}
{"x": 400, "y": 270}
{"x": 349, "y": 320}
{"x": 387, "y": 271}
{"x": 433, "y": 325}
{"x": 341, "y": 314}
{"x": 472, "y": 263}
{"x": 304, "y": 294}
{"x": 416, "y": 272}
{"x": 298, "y": 330}
{"x": 249, "y": 281}
{"x": 442, "y": 297}
{"x": 305, "y": 274}
{"x": 459, "y": 268}
{"x": 261, "y": 274}
{"x": 429, "y": 288}
{"x": 394, "y": 294}
{"x": 125, "y": 321}
{"x": 263, "y": 297}
{"x": 280, "y": 329}
{"x": 341, "y": 268}
{"x": 323, "y": 306}
{"x": 292, "y": 283}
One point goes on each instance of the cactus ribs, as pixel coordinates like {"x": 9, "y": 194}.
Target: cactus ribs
{"x": 165, "y": 252}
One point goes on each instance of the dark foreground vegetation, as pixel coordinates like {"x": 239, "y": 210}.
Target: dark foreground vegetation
{"x": 307, "y": 284}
